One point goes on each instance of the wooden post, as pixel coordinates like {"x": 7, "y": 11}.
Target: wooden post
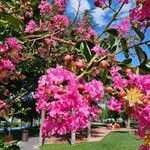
{"x": 41, "y": 123}
{"x": 89, "y": 131}
{"x": 73, "y": 138}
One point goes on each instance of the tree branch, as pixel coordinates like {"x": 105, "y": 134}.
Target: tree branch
{"x": 111, "y": 21}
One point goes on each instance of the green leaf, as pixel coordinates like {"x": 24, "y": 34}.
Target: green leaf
{"x": 82, "y": 46}
{"x": 138, "y": 31}
{"x": 104, "y": 76}
{"x": 15, "y": 22}
{"x": 127, "y": 61}
{"x": 85, "y": 48}
{"x": 112, "y": 31}
{"x": 34, "y": 3}
{"x": 2, "y": 22}
{"x": 143, "y": 69}
{"x": 104, "y": 44}
{"x": 124, "y": 46}
{"x": 142, "y": 56}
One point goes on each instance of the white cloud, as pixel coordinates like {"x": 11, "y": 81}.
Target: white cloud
{"x": 99, "y": 16}
{"x": 73, "y": 6}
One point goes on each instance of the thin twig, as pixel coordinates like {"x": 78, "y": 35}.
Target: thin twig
{"x": 89, "y": 64}
{"x": 111, "y": 21}
{"x": 141, "y": 43}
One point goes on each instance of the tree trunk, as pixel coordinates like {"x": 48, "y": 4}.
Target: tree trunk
{"x": 41, "y": 140}
{"x": 31, "y": 123}
{"x": 128, "y": 123}
{"x": 73, "y": 138}
{"x": 89, "y": 131}
{"x": 11, "y": 124}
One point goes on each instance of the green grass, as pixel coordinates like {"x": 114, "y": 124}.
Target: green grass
{"x": 113, "y": 141}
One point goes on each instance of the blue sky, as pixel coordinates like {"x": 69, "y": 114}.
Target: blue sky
{"x": 102, "y": 17}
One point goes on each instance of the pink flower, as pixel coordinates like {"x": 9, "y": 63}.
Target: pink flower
{"x": 3, "y": 47}
{"x": 124, "y": 27}
{"x": 95, "y": 90}
{"x": 148, "y": 93}
{"x": 114, "y": 104}
{"x": 45, "y": 7}
{"x": 125, "y": 1}
{"x": 99, "y": 3}
{"x": 66, "y": 109}
{"x": 51, "y": 42}
{"x": 141, "y": 12}
{"x": 144, "y": 147}
{"x": 31, "y": 27}
{"x": 118, "y": 80}
{"x": 7, "y": 64}
{"x": 89, "y": 34}
{"x": 14, "y": 43}
{"x": 2, "y": 104}
{"x": 3, "y": 108}
{"x": 60, "y": 22}
{"x": 144, "y": 118}
{"x": 60, "y": 4}
{"x": 99, "y": 51}
{"x": 114, "y": 71}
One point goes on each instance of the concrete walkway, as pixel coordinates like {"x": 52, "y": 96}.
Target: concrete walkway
{"x": 32, "y": 144}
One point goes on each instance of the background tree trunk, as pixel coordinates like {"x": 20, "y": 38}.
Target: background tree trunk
{"x": 89, "y": 130}
{"x": 41, "y": 123}
{"x": 128, "y": 121}
{"x": 73, "y": 138}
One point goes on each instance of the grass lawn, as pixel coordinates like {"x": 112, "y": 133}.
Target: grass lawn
{"x": 113, "y": 141}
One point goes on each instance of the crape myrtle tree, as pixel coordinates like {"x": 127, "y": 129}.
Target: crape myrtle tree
{"x": 79, "y": 66}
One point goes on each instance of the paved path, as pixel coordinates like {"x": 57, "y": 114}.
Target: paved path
{"x": 97, "y": 134}
{"x": 32, "y": 144}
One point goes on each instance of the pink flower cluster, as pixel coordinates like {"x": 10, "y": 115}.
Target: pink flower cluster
{"x": 60, "y": 22}
{"x": 66, "y": 108}
{"x": 7, "y": 64}
{"x": 117, "y": 79}
{"x": 9, "y": 52}
{"x": 86, "y": 34}
{"x": 13, "y": 44}
{"x": 60, "y": 4}
{"x": 2, "y": 104}
{"x": 3, "y": 108}
{"x": 100, "y": 51}
{"x": 45, "y": 7}
{"x": 114, "y": 104}
{"x": 99, "y": 3}
{"x": 124, "y": 27}
{"x": 142, "y": 11}
{"x": 31, "y": 27}
{"x": 95, "y": 90}
{"x": 57, "y": 24}
{"x": 133, "y": 94}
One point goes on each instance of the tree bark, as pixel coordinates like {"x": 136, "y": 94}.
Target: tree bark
{"x": 128, "y": 123}
{"x": 73, "y": 138}
{"x": 89, "y": 131}
{"x": 41, "y": 140}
